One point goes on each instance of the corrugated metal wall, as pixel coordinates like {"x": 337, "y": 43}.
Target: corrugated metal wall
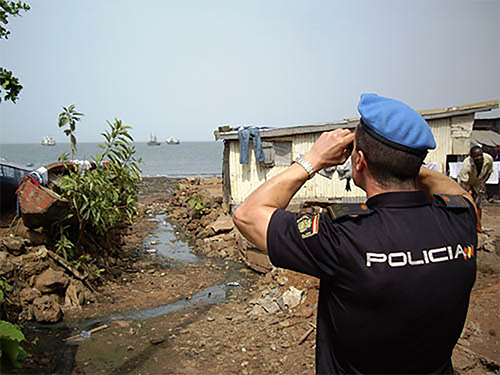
{"x": 247, "y": 177}
{"x": 441, "y": 131}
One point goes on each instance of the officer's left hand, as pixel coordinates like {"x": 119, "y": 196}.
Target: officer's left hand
{"x": 330, "y": 149}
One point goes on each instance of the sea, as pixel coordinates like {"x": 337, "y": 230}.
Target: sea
{"x": 197, "y": 159}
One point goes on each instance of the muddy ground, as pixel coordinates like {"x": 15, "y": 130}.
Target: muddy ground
{"x": 216, "y": 315}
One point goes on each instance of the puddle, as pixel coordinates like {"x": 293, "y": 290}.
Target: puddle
{"x": 211, "y": 295}
{"x": 164, "y": 241}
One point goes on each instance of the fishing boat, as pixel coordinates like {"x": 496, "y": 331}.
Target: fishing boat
{"x": 153, "y": 141}
{"x": 173, "y": 141}
{"x": 48, "y": 141}
{"x": 39, "y": 204}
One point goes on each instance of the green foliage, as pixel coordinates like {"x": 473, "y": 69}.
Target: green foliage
{"x": 8, "y": 82}
{"x": 4, "y": 287}
{"x": 102, "y": 198}
{"x": 69, "y": 116}
{"x": 10, "y": 85}
{"x": 85, "y": 263}
{"x": 11, "y": 351}
{"x": 9, "y": 8}
{"x": 64, "y": 246}
{"x": 196, "y": 201}
{"x": 10, "y": 336}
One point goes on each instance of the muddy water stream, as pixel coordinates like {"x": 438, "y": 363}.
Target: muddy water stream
{"x": 176, "y": 253}
{"x": 165, "y": 242}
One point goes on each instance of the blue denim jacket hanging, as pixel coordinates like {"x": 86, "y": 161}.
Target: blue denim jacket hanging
{"x": 244, "y": 137}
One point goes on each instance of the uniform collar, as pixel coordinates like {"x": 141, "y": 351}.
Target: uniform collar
{"x": 399, "y": 199}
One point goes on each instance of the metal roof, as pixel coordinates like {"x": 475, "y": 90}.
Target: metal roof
{"x": 486, "y": 138}
{"x": 428, "y": 114}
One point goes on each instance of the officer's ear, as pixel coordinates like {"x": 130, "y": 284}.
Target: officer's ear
{"x": 359, "y": 161}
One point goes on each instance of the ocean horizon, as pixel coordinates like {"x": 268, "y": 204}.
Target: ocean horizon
{"x": 187, "y": 159}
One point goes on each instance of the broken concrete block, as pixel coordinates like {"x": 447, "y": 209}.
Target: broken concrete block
{"x": 6, "y": 264}
{"x": 224, "y": 223}
{"x": 51, "y": 281}
{"x": 292, "y": 297}
{"x": 46, "y": 309}
{"x": 28, "y": 295}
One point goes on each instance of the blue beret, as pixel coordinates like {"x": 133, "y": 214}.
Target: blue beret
{"x": 395, "y": 124}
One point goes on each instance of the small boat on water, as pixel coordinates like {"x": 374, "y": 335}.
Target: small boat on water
{"x": 48, "y": 141}
{"x": 153, "y": 141}
{"x": 173, "y": 141}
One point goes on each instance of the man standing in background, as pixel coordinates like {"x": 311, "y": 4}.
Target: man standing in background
{"x": 476, "y": 170}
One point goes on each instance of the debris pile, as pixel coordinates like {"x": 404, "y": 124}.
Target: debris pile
{"x": 45, "y": 285}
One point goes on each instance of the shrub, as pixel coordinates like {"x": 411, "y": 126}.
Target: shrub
{"x": 101, "y": 199}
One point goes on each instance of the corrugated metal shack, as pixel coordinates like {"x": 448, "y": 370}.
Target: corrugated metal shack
{"x": 452, "y": 128}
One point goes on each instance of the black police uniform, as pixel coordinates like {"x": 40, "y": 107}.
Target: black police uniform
{"x": 396, "y": 276}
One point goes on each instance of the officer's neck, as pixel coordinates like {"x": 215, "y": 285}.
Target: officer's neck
{"x": 373, "y": 188}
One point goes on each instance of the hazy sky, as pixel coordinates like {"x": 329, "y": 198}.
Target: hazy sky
{"x": 183, "y": 68}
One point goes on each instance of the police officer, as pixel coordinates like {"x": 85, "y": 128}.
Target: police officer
{"x": 396, "y": 272}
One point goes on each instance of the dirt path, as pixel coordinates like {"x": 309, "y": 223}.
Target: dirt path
{"x": 236, "y": 327}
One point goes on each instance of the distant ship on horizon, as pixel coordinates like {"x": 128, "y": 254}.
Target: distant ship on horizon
{"x": 173, "y": 141}
{"x": 153, "y": 141}
{"x": 48, "y": 141}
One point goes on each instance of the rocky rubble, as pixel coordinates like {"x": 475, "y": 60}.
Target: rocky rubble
{"x": 43, "y": 289}
{"x": 210, "y": 226}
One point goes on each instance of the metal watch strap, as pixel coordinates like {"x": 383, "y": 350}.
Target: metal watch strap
{"x": 306, "y": 165}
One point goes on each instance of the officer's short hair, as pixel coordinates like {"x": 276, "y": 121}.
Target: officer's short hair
{"x": 387, "y": 165}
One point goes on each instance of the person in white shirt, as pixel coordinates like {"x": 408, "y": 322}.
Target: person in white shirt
{"x": 476, "y": 170}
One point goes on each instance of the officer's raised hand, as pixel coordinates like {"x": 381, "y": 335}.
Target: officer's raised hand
{"x": 330, "y": 149}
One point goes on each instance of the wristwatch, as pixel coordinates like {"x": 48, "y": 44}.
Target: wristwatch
{"x": 306, "y": 165}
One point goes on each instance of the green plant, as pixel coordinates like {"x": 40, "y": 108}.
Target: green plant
{"x": 69, "y": 116}
{"x": 87, "y": 264}
{"x": 103, "y": 198}
{"x": 8, "y": 82}
{"x": 10, "y": 336}
{"x": 196, "y": 201}
{"x": 64, "y": 246}
{"x": 4, "y": 287}
{"x": 9, "y": 8}
{"x": 11, "y": 351}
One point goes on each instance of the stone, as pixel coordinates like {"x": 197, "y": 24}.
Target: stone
{"x": 157, "y": 341}
{"x": 75, "y": 295}
{"x": 121, "y": 323}
{"x": 6, "y": 264}
{"x": 269, "y": 301}
{"x": 51, "y": 281}
{"x": 252, "y": 256}
{"x": 30, "y": 265}
{"x": 46, "y": 309}
{"x": 13, "y": 245}
{"x": 485, "y": 242}
{"x": 28, "y": 295}
{"x": 224, "y": 223}
{"x": 292, "y": 297}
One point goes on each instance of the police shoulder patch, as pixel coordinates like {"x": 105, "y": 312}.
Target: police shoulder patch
{"x": 348, "y": 209}
{"x": 450, "y": 201}
{"x": 308, "y": 225}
